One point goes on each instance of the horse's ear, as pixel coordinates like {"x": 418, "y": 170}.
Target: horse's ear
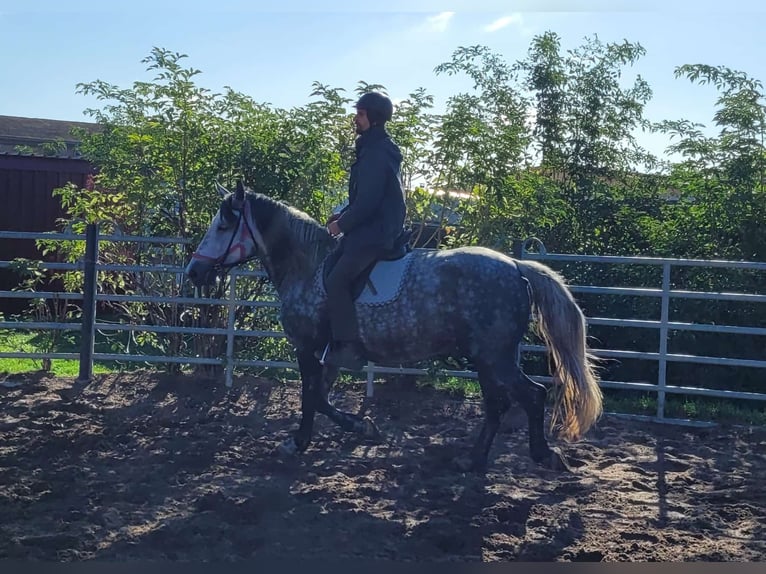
{"x": 240, "y": 193}
{"x": 221, "y": 189}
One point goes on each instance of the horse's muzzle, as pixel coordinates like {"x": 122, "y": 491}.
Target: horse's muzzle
{"x": 200, "y": 273}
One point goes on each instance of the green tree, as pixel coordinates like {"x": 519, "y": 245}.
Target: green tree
{"x": 720, "y": 179}
{"x": 161, "y": 147}
{"x": 481, "y": 142}
{"x": 546, "y": 78}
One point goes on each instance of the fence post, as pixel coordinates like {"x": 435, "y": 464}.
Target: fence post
{"x": 87, "y": 329}
{"x": 663, "y": 363}
{"x": 230, "y": 325}
{"x": 370, "y": 378}
{"x": 517, "y": 252}
{"x": 516, "y": 249}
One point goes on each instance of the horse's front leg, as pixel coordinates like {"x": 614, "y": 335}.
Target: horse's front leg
{"x": 349, "y": 422}
{"x": 311, "y": 376}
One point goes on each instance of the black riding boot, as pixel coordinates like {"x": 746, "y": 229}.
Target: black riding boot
{"x": 348, "y": 354}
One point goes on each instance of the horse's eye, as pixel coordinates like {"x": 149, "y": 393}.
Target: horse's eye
{"x": 224, "y": 222}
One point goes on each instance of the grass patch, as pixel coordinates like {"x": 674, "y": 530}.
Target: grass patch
{"x": 692, "y": 407}
{"x": 26, "y": 342}
{"x": 468, "y": 388}
{"x": 32, "y": 342}
{"x": 59, "y": 367}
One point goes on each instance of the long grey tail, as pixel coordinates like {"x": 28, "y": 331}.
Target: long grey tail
{"x": 561, "y": 324}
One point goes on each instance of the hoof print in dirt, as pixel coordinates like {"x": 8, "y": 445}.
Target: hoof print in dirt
{"x": 558, "y": 462}
{"x": 466, "y": 464}
{"x": 72, "y": 393}
{"x": 287, "y": 448}
{"x": 371, "y": 431}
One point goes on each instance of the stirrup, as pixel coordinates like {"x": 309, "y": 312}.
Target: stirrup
{"x": 324, "y": 354}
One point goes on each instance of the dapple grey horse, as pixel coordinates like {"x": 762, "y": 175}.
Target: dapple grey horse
{"x": 470, "y": 303}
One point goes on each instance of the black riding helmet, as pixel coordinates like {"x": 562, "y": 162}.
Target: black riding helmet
{"x": 379, "y": 107}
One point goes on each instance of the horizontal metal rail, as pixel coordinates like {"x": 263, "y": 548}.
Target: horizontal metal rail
{"x": 652, "y": 355}
{"x": 57, "y": 296}
{"x": 34, "y": 325}
{"x": 38, "y": 356}
{"x": 160, "y": 268}
{"x": 676, "y": 326}
{"x": 187, "y": 330}
{"x": 745, "y": 297}
{"x": 52, "y": 295}
{"x": 157, "y": 359}
{"x": 674, "y": 294}
{"x": 45, "y": 266}
{"x": 638, "y": 260}
{"x": 81, "y": 237}
{"x": 185, "y": 300}
{"x": 675, "y": 389}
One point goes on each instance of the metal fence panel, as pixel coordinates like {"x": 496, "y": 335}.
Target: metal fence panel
{"x": 663, "y": 325}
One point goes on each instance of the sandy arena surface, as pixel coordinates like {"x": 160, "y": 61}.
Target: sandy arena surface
{"x": 153, "y": 467}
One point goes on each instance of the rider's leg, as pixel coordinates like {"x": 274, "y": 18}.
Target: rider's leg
{"x": 345, "y": 349}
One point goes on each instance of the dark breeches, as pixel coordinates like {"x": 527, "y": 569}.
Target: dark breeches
{"x": 340, "y": 302}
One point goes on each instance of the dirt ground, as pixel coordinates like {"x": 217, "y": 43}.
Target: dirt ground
{"x": 151, "y": 467}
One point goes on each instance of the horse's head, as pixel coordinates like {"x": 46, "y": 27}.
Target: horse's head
{"x": 231, "y": 239}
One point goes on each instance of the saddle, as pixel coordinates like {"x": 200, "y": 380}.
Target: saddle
{"x": 398, "y": 251}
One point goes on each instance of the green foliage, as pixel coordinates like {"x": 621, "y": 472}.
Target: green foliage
{"x": 161, "y": 147}
{"x": 483, "y": 136}
{"x": 413, "y": 129}
{"x": 721, "y": 179}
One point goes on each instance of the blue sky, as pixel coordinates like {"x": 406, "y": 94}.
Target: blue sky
{"x": 274, "y": 50}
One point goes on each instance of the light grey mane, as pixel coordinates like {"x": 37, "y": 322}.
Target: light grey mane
{"x": 314, "y": 239}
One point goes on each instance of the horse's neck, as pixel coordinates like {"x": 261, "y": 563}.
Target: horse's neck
{"x": 297, "y": 246}
{"x": 313, "y": 242}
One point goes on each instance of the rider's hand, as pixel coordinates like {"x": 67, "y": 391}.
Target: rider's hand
{"x": 334, "y": 228}
{"x": 333, "y": 217}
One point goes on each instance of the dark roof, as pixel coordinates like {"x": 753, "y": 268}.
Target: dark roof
{"x": 31, "y": 133}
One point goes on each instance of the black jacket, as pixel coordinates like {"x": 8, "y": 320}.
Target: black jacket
{"x": 374, "y": 216}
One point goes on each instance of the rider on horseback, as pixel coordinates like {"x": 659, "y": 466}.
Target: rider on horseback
{"x": 371, "y": 223}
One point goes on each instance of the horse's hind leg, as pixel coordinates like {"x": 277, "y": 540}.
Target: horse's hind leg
{"x": 501, "y": 381}
{"x": 496, "y": 403}
{"x": 531, "y": 396}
